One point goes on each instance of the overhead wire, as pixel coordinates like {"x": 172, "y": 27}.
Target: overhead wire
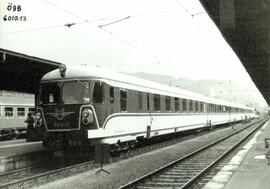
{"x": 64, "y": 10}
{"x": 42, "y": 28}
{"x": 109, "y": 32}
{"x": 182, "y": 6}
{"x": 101, "y": 26}
{"x": 186, "y": 10}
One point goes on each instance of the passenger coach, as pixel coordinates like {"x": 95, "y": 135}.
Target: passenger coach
{"x": 88, "y": 105}
{"x": 14, "y": 108}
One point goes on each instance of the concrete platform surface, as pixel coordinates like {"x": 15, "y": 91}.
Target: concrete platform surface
{"x": 18, "y": 147}
{"x": 249, "y": 168}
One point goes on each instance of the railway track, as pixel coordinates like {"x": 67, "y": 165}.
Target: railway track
{"x": 187, "y": 170}
{"x": 32, "y": 176}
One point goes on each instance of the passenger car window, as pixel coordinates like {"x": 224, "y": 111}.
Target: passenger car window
{"x": 140, "y": 103}
{"x": 8, "y": 111}
{"x": 176, "y": 104}
{"x": 20, "y": 112}
{"x": 167, "y": 103}
{"x": 156, "y": 102}
{"x": 148, "y": 101}
{"x": 184, "y": 105}
{"x": 123, "y": 100}
{"x": 190, "y": 105}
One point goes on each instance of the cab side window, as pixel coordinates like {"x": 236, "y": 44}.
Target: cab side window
{"x": 111, "y": 93}
{"x": 98, "y": 95}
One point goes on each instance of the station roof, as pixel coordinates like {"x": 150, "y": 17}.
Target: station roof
{"x": 245, "y": 26}
{"x": 22, "y": 73}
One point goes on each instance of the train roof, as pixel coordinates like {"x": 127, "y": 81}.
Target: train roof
{"x": 16, "y": 101}
{"x": 130, "y": 82}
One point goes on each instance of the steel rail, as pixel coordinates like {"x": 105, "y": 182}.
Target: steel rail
{"x": 48, "y": 176}
{"x": 37, "y": 179}
{"x": 171, "y": 164}
{"x": 204, "y": 171}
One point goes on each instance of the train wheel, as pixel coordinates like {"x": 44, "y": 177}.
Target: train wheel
{"x": 115, "y": 149}
{"x": 132, "y": 144}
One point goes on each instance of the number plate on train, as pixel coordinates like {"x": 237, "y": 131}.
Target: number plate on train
{"x": 61, "y": 125}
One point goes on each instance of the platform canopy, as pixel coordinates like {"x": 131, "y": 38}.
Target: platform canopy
{"x": 245, "y": 25}
{"x": 22, "y": 73}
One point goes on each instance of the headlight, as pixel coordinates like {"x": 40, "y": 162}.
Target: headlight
{"x": 85, "y": 113}
{"x": 87, "y": 116}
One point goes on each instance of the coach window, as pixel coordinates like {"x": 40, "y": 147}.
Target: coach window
{"x": 31, "y": 110}
{"x": 21, "y": 112}
{"x": 148, "y": 101}
{"x": 8, "y": 112}
{"x": 156, "y": 102}
{"x": 123, "y": 100}
{"x": 201, "y": 104}
{"x": 167, "y": 103}
{"x": 140, "y": 103}
{"x": 190, "y": 105}
{"x": 98, "y": 95}
{"x": 111, "y": 91}
{"x": 176, "y": 104}
{"x": 184, "y": 105}
{"x": 196, "y": 106}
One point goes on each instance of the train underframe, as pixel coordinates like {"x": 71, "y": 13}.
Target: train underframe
{"x": 54, "y": 141}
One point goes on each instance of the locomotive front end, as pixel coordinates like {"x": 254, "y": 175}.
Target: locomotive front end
{"x": 65, "y": 112}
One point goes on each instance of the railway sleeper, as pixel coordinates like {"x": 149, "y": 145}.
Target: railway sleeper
{"x": 169, "y": 180}
{"x": 163, "y": 184}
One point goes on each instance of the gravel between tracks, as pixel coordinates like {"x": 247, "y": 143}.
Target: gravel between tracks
{"x": 127, "y": 170}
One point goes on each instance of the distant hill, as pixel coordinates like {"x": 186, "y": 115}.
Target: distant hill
{"x": 225, "y": 90}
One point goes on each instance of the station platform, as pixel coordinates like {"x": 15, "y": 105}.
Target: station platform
{"x": 249, "y": 168}
{"x": 17, "y": 147}
{"x": 129, "y": 169}
{"x": 14, "y": 154}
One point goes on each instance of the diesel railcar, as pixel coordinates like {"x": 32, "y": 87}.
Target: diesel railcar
{"x": 89, "y": 105}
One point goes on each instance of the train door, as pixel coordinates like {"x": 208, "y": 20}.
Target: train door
{"x": 98, "y": 100}
{"x": 207, "y": 109}
{"x": 111, "y": 100}
{"x": 149, "y": 110}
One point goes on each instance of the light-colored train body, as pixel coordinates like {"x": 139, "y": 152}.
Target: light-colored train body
{"x": 114, "y": 107}
{"x": 14, "y": 110}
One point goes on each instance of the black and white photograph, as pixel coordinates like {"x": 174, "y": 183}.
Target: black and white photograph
{"x": 134, "y": 94}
